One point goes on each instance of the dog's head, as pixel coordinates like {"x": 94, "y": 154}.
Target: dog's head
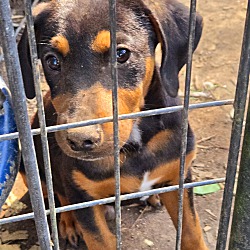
{"x": 73, "y": 40}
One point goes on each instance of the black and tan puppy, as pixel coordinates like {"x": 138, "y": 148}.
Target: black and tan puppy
{"x": 73, "y": 40}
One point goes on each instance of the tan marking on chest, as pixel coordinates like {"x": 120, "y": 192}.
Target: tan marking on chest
{"x": 148, "y": 183}
{"x": 101, "y": 42}
{"x": 105, "y": 188}
{"x": 169, "y": 172}
{"x": 160, "y": 140}
{"x": 61, "y": 44}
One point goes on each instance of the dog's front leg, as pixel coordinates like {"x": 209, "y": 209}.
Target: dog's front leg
{"x": 90, "y": 223}
{"x": 98, "y": 236}
{"x": 192, "y": 237}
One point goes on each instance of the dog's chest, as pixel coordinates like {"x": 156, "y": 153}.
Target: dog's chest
{"x": 163, "y": 173}
{"x": 105, "y": 188}
{"x": 147, "y": 183}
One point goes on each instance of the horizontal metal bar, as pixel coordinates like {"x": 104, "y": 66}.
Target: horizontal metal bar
{"x": 112, "y": 199}
{"x": 146, "y": 113}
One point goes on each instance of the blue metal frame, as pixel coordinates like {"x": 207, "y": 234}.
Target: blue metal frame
{"x": 9, "y": 150}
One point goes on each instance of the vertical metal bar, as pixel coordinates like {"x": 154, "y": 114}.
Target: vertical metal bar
{"x": 192, "y": 22}
{"x": 239, "y": 108}
{"x": 22, "y": 120}
{"x": 23, "y": 21}
{"x": 114, "y": 75}
{"x": 42, "y": 122}
{"x": 240, "y": 231}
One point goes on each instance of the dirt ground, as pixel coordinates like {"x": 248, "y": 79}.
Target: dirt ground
{"x": 214, "y": 78}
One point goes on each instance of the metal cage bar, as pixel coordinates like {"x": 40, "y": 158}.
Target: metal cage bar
{"x": 192, "y": 22}
{"x": 114, "y": 75}
{"x": 112, "y": 199}
{"x": 240, "y": 231}
{"x": 152, "y": 112}
{"x": 23, "y": 126}
{"x": 42, "y": 122}
{"x": 239, "y": 109}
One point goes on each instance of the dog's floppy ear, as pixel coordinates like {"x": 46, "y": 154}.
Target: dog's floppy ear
{"x": 171, "y": 23}
{"x": 24, "y": 56}
{"x": 24, "y": 52}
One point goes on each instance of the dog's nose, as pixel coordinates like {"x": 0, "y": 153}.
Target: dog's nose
{"x": 81, "y": 146}
{"x": 83, "y": 141}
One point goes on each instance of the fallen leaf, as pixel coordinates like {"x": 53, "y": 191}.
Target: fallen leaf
{"x": 207, "y": 189}
{"x": 207, "y": 228}
{"x": 208, "y": 85}
{"x": 149, "y": 242}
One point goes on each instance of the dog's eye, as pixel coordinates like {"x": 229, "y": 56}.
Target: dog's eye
{"x": 53, "y": 63}
{"x": 122, "y": 55}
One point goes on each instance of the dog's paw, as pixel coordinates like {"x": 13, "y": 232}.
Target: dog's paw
{"x": 154, "y": 201}
{"x": 109, "y": 212}
{"x": 69, "y": 228}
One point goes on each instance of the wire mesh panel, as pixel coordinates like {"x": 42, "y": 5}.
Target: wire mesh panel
{"x": 20, "y": 109}
{"x": 28, "y": 151}
{"x": 239, "y": 105}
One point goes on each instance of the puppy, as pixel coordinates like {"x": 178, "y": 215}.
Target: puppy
{"x": 73, "y": 39}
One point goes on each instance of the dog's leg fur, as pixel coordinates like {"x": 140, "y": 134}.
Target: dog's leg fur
{"x": 90, "y": 223}
{"x": 192, "y": 237}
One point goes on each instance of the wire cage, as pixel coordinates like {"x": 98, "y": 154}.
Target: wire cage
{"x": 240, "y": 221}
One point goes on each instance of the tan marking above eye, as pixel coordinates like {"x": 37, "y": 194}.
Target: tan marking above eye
{"x": 101, "y": 42}
{"x": 61, "y": 44}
